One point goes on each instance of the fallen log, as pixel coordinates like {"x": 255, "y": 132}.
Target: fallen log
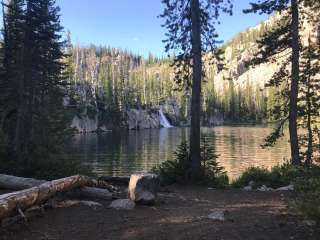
{"x": 12, "y": 203}
{"x": 19, "y": 183}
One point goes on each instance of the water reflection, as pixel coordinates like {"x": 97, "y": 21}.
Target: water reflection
{"x": 122, "y": 153}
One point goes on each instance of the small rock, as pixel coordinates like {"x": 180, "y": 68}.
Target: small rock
{"x": 287, "y": 188}
{"x": 310, "y": 223}
{"x": 247, "y": 188}
{"x": 218, "y": 215}
{"x": 123, "y": 204}
{"x": 264, "y": 188}
{"x": 143, "y": 188}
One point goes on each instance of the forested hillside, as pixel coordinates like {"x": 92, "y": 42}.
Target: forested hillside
{"x": 116, "y": 88}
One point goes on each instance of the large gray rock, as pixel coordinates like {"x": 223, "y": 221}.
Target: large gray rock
{"x": 143, "y": 188}
{"x": 123, "y": 204}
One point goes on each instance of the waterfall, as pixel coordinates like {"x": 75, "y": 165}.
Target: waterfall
{"x": 163, "y": 120}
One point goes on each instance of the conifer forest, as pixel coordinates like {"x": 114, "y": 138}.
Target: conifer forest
{"x": 200, "y": 117}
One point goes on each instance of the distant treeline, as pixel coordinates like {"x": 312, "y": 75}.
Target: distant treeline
{"x": 122, "y": 80}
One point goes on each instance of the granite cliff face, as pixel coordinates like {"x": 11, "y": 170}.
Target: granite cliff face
{"x": 242, "y": 48}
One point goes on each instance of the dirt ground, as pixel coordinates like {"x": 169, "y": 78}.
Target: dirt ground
{"x": 181, "y": 213}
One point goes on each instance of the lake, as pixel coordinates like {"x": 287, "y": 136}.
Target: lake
{"x": 125, "y": 152}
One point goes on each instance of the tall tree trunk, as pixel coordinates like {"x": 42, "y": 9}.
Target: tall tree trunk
{"x": 196, "y": 89}
{"x": 293, "y": 129}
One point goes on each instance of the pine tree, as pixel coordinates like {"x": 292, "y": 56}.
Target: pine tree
{"x": 12, "y": 82}
{"x": 40, "y": 124}
{"x": 271, "y": 6}
{"x": 192, "y": 32}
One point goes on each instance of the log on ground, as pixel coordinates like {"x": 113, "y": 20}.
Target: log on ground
{"x": 11, "y": 203}
{"x": 19, "y": 183}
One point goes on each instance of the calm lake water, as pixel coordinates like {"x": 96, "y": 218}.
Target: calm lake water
{"x": 122, "y": 153}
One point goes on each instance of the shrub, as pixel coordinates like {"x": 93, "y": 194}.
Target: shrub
{"x": 307, "y": 201}
{"x": 179, "y": 169}
{"x": 257, "y": 175}
{"x": 278, "y": 176}
{"x": 212, "y": 173}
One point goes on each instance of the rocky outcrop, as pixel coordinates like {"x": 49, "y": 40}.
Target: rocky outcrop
{"x": 136, "y": 119}
{"x": 142, "y": 119}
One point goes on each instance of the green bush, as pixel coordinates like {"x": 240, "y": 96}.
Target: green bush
{"x": 278, "y": 176}
{"x": 307, "y": 201}
{"x": 257, "y": 175}
{"x": 212, "y": 173}
{"x": 179, "y": 169}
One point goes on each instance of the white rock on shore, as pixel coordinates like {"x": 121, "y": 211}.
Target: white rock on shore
{"x": 143, "y": 188}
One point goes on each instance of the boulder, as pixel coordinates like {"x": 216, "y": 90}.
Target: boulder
{"x": 123, "y": 204}
{"x": 143, "y": 188}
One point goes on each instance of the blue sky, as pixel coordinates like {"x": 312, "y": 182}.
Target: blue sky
{"x": 133, "y": 24}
